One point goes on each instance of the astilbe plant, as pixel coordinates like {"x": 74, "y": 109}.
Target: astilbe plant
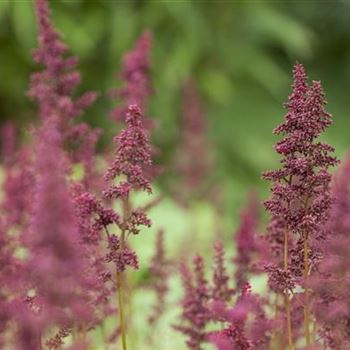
{"x": 160, "y": 273}
{"x": 193, "y": 159}
{"x": 15, "y": 213}
{"x": 53, "y": 88}
{"x": 136, "y": 78}
{"x": 214, "y": 312}
{"x": 195, "y": 314}
{"x": 55, "y": 268}
{"x": 300, "y": 198}
{"x": 246, "y": 325}
{"x": 247, "y": 241}
{"x": 332, "y": 285}
{"x": 56, "y": 244}
{"x": 132, "y": 157}
{"x": 96, "y": 220}
{"x": 66, "y": 248}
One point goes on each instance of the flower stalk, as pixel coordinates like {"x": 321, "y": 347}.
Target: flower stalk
{"x": 286, "y": 296}
{"x": 306, "y": 301}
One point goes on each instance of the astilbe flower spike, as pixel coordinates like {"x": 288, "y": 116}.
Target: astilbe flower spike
{"x": 246, "y": 239}
{"x": 15, "y": 212}
{"x": 221, "y": 290}
{"x": 246, "y": 325}
{"x": 159, "y": 270}
{"x": 55, "y": 265}
{"x": 196, "y": 313}
{"x": 301, "y": 198}
{"x": 133, "y": 154}
{"x": 136, "y": 77}
{"x": 193, "y": 160}
{"x": 53, "y": 89}
{"x": 332, "y": 285}
{"x": 132, "y": 160}
{"x": 53, "y": 86}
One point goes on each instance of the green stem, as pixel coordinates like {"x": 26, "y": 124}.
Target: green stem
{"x": 306, "y": 303}
{"x": 286, "y": 296}
{"x": 121, "y": 310}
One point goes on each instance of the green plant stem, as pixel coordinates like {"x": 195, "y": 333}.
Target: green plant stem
{"x": 121, "y": 310}
{"x": 286, "y": 296}
{"x": 306, "y": 303}
{"x": 126, "y": 210}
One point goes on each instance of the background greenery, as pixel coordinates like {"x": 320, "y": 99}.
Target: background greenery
{"x": 241, "y": 54}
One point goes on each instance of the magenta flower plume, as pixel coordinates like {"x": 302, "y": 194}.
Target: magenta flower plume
{"x": 332, "y": 286}
{"x": 194, "y": 159}
{"x": 55, "y": 266}
{"x": 245, "y": 324}
{"x": 195, "y": 313}
{"x": 53, "y": 87}
{"x": 136, "y": 77}
{"x": 15, "y": 209}
{"x": 220, "y": 284}
{"x": 133, "y": 155}
{"x": 246, "y": 239}
{"x": 16, "y": 204}
{"x": 160, "y": 274}
{"x": 303, "y": 178}
{"x": 300, "y": 198}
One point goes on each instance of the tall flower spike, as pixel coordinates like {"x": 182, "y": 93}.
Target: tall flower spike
{"x": 133, "y": 155}
{"x": 300, "y": 198}
{"x": 246, "y": 325}
{"x": 55, "y": 265}
{"x": 193, "y": 160}
{"x": 332, "y": 286}
{"x": 220, "y": 288}
{"x": 195, "y": 312}
{"x": 246, "y": 241}
{"x": 159, "y": 270}
{"x": 137, "y": 82}
{"x": 53, "y": 87}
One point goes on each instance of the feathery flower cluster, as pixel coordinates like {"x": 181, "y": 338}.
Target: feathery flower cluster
{"x": 159, "y": 269}
{"x": 195, "y": 313}
{"x": 57, "y": 341}
{"x": 53, "y": 87}
{"x": 301, "y": 187}
{"x": 247, "y": 326}
{"x": 301, "y": 198}
{"x": 193, "y": 160}
{"x": 332, "y": 286}
{"x": 133, "y": 154}
{"x": 246, "y": 239}
{"x": 55, "y": 265}
{"x": 238, "y": 315}
{"x": 136, "y": 77}
{"x": 220, "y": 288}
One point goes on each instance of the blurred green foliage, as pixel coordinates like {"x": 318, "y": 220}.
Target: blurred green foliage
{"x": 240, "y": 52}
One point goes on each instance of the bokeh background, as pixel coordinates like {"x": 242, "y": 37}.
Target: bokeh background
{"x": 240, "y": 53}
